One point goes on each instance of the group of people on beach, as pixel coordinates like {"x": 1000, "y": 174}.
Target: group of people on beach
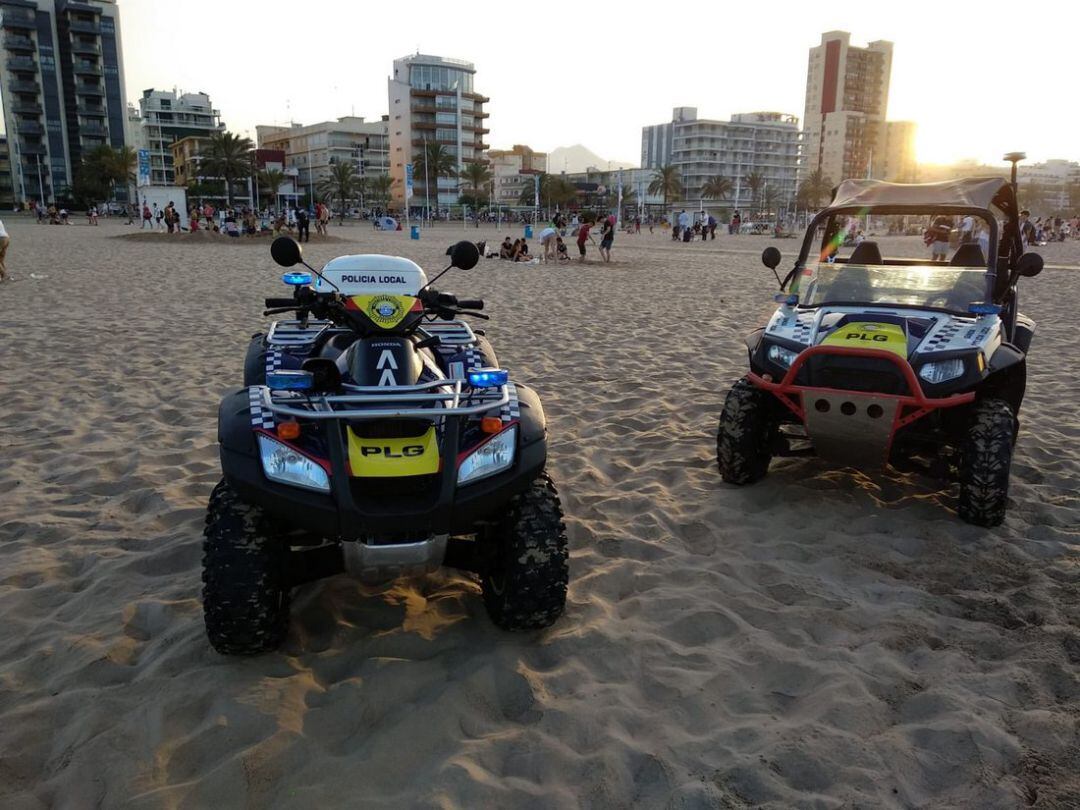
{"x": 554, "y": 246}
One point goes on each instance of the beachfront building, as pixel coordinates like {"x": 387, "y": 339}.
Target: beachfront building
{"x": 62, "y": 86}
{"x": 845, "y": 133}
{"x": 765, "y": 144}
{"x": 512, "y": 172}
{"x": 311, "y": 151}
{"x": 166, "y": 117}
{"x": 188, "y": 155}
{"x": 432, "y": 98}
{"x": 8, "y": 199}
{"x": 598, "y": 187}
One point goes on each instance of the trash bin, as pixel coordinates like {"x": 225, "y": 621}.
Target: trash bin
{"x": 528, "y": 231}
{"x": 414, "y": 232}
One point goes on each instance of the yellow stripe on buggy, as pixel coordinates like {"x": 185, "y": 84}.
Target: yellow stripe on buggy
{"x": 884, "y": 336}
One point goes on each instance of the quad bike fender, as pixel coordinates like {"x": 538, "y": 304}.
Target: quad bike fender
{"x": 532, "y": 422}
{"x": 234, "y": 424}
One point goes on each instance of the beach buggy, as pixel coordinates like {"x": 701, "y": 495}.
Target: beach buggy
{"x": 377, "y": 435}
{"x": 870, "y": 359}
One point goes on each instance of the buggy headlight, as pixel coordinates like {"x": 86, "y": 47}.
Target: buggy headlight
{"x": 782, "y": 356}
{"x": 281, "y": 463}
{"x": 940, "y": 371}
{"x": 494, "y": 456}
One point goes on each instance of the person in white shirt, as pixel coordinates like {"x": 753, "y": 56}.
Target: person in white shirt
{"x": 5, "y": 240}
{"x": 967, "y": 229}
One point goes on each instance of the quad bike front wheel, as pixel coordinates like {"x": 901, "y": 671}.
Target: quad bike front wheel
{"x": 985, "y": 459}
{"x": 525, "y": 583}
{"x": 245, "y": 585}
{"x": 745, "y": 435}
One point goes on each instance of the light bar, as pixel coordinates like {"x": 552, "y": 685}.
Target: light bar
{"x": 984, "y": 309}
{"x": 295, "y": 279}
{"x": 290, "y": 380}
{"x": 488, "y": 377}
{"x": 788, "y": 300}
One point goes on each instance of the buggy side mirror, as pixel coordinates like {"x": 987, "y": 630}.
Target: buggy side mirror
{"x": 464, "y": 255}
{"x": 1030, "y": 265}
{"x": 770, "y": 257}
{"x": 285, "y": 251}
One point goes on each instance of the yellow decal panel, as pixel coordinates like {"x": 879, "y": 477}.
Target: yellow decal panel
{"x": 384, "y": 310}
{"x": 884, "y": 336}
{"x": 393, "y": 458}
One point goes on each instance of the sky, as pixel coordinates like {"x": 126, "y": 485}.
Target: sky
{"x": 979, "y": 80}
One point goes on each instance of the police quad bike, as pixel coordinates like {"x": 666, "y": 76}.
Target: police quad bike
{"x": 872, "y": 360}
{"x": 377, "y": 436}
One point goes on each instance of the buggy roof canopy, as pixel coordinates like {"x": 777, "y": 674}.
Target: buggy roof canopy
{"x": 965, "y": 193}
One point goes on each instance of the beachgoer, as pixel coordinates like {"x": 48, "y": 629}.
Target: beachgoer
{"x": 5, "y": 240}
{"x": 560, "y": 250}
{"x": 607, "y": 238}
{"x": 506, "y": 249}
{"x": 302, "y": 229}
{"x": 582, "y": 235}
{"x": 547, "y": 241}
{"x": 936, "y": 238}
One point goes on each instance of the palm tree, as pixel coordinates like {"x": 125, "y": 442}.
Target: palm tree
{"x": 755, "y": 181}
{"x": 271, "y": 180}
{"x": 227, "y": 156}
{"x": 814, "y": 189}
{"x": 431, "y": 163}
{"x": 379, "y": 187}
{"x": 341, "y": 184}
{"x": 476, "y": 177}
{"x": 667, "y": 181}
{"x": 629, "y": 196}
{"x": 126, "y": 167}
{"x": 717, "y": 188}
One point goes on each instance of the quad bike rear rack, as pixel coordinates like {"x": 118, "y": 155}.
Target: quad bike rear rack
{"x": 854, "y": 426}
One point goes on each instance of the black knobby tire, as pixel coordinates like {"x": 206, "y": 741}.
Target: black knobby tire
{"x": 245, "y": 584}
{"x": 255, "y": 361}
{"x": 745, "y": 435}
{"x": 525, "y": 582}
{"x": 985, "y": 459}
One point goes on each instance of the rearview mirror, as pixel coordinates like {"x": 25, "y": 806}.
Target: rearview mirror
{"x": 770, "y": 257}
{"x": 1030, "y": 265}
{"x": 285, "y": 251}
{"x": 464, "y": 256}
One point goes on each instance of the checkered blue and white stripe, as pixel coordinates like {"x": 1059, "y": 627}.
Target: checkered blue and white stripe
{"x": 260, "y": 417}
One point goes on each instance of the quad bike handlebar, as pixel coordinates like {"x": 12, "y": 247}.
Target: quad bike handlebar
{"x": 324, "y": 305}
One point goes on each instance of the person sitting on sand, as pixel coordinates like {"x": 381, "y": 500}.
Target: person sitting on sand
{"x": 560, "y": 250}
{"x": 506, "y": 249}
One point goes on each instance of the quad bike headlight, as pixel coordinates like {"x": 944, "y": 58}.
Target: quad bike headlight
{"x": 940, "y": 371}
{"x": 283, "y": 464}
{"x": 781, "y": 355}
{"x": 494, "y": 456}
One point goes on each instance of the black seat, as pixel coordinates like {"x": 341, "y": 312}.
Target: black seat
{"x": 866, "y": 253}
{"x": 968, "y": 254}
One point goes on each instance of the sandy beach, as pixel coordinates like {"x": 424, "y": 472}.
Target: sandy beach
{"x": 823, "y": 639}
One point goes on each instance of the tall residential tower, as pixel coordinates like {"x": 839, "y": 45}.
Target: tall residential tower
{"x": 62, "y": 86}
{"x": 432, "y": 99}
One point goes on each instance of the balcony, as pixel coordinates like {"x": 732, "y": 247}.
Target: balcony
{"x": 32, "y": 148}
{"x": 14, "y": 43}
{"x": 422, "y": 108}
{"x": 90, "y": 109}
{"x": 29, "y": 128}
{"x": 85, "y": 26}
{"x": 22, "y": 63}
{"x": 21, "y": 86}
{"x": 85, "y": 47}
{"x": 423, "y": 125}
{"x": 96, "y": 130}
{"x": 19, "y": 19}
{"x": 26, "y": 108}
{"x": 95, "y": 90}
{"x": 88, "y": 68}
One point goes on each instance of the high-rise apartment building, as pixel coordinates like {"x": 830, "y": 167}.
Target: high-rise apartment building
{"x": 62, "y": 85}
{"x": 847, "y": 96}
{"x": 314, "y": 149}
{"x": 763, "y": 144}
{"x": 166, "y": 117}
{"x": 432, "y": 99}
{"x": 512, "y": 172}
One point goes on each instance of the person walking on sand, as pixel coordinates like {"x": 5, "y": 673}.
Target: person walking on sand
{"x": 607, "y": 238}
{"x": 5, "y": 240}
{"x": 147, "y": 218}
{"x": 303, "y": 232}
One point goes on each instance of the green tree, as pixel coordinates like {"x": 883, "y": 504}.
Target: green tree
{"x": 629, "y": 195}
{"x": 270, "y": 181}
{"x": 476, "y": 177}
{"x": 125, "y": 168}
{"x": 755, "y": 181}
{"x": 227, "y": 156}
{"x": 378, "y": 187}
{"x": 342, "y": 184}
{"x": 432, "y": 162}
{"x": 667, "y": 182}
{"x": 717, "y": 188}
{"x": 815, "y": 188}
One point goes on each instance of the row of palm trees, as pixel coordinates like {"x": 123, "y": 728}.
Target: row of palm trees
{"x": 667, "y": 183}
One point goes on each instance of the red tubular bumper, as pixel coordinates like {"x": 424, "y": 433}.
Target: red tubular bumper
{"x": 908, "y": 408}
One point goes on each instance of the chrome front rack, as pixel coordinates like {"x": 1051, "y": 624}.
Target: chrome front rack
{"x": 444, "y": 402}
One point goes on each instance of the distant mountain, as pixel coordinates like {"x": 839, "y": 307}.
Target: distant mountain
{"x": 577, "y": 158}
